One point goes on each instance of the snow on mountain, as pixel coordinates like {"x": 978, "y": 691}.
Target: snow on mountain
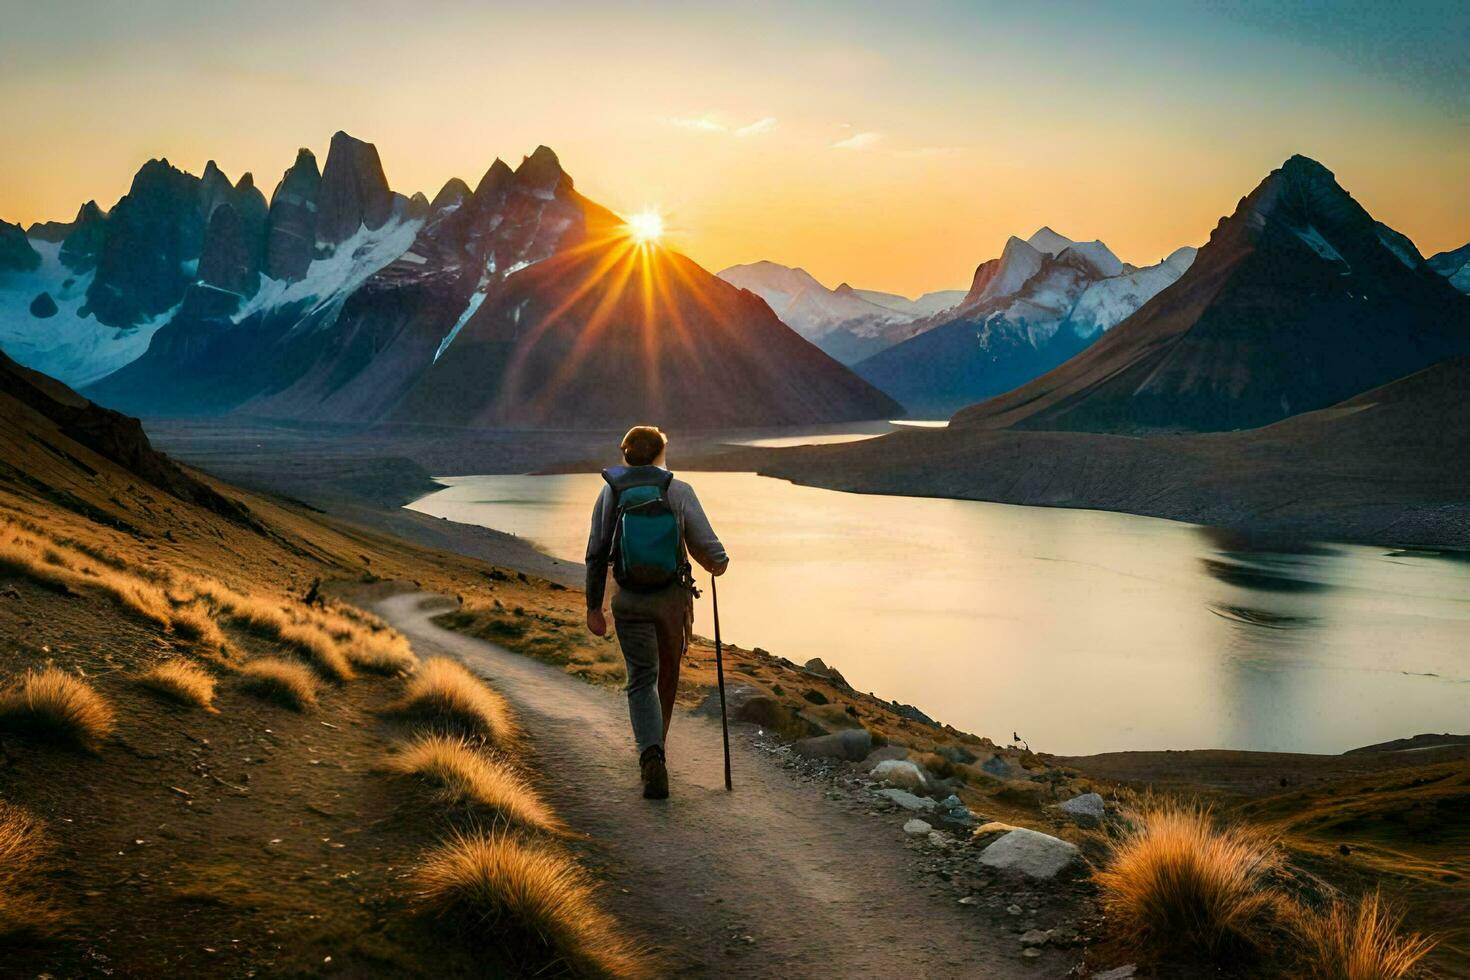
{"x": 1454, "y": 265}
{"x": 53, "y": 337}
{"x": 845, "y": 322}
{"x": 1042, "y": 301}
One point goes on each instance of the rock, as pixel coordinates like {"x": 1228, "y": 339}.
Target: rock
{"x": 228, "y": 260}
{"x": 1086, "y": 809}
{"x": 908, "y": 800}
{"x": 754, "y": 706}
{"x": 938, "y": 839}
{"x": 900, "y": 772}
{"x": 1000, "y": 767}
{"x": 816, "y": 666}
{"x": 993, "y": 827}
{"x": 1034, "y": 938}
{"x": 951, "y": 801}
{"x": 1021, "y": 791}
{"x": 815, "y": 696}
{"x": 354, "y": 191}
{"x": 16, "y": 252}
{"x": 852, "y": 745}
{"x": 1029, "y": 852}
{"x": 1031, "y": 952}
{"x": 917, "y": 828}
{"x": 291, "y": 238}
{"x": 1013, "y": 910}
{"x": 959, "y": 755}
{"x": 1117, "y": 973}
{"x": 885, "y": 753}
{"x": 911, "y": 713}
{"x": 43, "y": 306}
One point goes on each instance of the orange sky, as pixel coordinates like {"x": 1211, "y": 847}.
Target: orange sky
{"x": 892, "y": 148}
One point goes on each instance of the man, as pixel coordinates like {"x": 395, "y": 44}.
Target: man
{"x": 647, "y": 525}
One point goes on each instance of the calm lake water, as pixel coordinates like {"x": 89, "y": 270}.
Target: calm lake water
{"x": 1083, "y": 631}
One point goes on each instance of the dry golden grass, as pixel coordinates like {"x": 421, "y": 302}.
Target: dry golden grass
{"x": 1358, "y": 942}
{"x": 181, "y": 681}
{"x": 318, "y": 647}
{"x": 21, "y": 912}
{"x": 194, "y": 624}
{"x": 444, "y": 693}
{"x": 1176, "y": 884}
{"x": 286, "y": 682}
{"x": 18, "y": 556}
{"x": 537, "y": 896}
{"x": 55, "y": 703}
{"x": 465, "y": 775}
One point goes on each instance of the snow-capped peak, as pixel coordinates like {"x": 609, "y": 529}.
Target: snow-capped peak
{"x": 1048, "y": 241}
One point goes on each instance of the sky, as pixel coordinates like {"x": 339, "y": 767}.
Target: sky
{"x": 890, "y": 145}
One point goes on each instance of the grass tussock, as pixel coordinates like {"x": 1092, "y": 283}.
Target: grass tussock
{"x": 465, "y": 775}
{"x": 22, "y": 913}
{"x": 193, "y": 623}
{"x": 1178, "y": 885}
{"x": 181, "y": 681}
{"x": 445, "y": 694}
{"x": 53, "y": 702}
{"x": 536, "y": 895}
{"x": 288, "y": 683}
{"x": 1359, "y": 941}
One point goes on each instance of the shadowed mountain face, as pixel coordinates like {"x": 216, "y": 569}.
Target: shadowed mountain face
{"x": 1044, "y": 300}
{"x": 520, "y": 303}
{"x": 1300, "y": 300}
{"x": 1454, "y": 265}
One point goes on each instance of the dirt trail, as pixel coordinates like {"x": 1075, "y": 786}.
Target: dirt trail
{"x": 820, "y": 891}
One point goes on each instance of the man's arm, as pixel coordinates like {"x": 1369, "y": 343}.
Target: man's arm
{"x": 703, "y": 544}
{"x": 599, "y": 549}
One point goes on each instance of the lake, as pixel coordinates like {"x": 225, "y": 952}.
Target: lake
{"x": 1083, "y": 631}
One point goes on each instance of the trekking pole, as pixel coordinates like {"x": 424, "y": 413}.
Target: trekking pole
{"x": 714, "y": 595}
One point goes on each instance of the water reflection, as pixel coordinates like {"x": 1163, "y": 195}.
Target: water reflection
{"x": 1083, "y": 630}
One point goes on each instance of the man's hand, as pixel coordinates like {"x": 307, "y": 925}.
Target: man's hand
{"x": 597, "y": 622}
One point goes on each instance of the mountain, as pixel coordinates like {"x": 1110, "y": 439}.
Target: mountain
{"x": 1386, "y": 466}
{"x": 518, "y": 304}
{"x": 1299, "y": 300}
{"x": 1041, "y": 302}
{"x": 1454, "y": 266}
{"x": 850, "y": 324}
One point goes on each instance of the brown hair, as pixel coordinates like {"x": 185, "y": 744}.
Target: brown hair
{"x": 642, "y": 444}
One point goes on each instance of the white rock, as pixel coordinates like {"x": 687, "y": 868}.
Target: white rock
{"x": 1086, "y": 809}
{"x": 900, "y": 772}
{"x": 1030, "y": 853}
{"x": 916, "y": 828}
{"x": 908, "y": 800}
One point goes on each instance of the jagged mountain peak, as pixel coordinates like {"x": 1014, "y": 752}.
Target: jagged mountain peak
{"x": 495, "y": 181}
{"x": 541, "y": 172}
{"x": 354, "y": 190}
{"x": 1048, "y": 241}
{"x": 454, "y": 192}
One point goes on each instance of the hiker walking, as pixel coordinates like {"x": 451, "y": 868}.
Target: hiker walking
{"x": 647, "y": 525}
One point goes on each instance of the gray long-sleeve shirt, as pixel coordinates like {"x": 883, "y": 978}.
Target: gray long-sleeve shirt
{"x": 699, "y": 539}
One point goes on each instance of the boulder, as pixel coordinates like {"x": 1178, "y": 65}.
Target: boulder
{"x": 1000, "y": 767}
{"x": 956, "y": 754}
{"x": 818, "y": 667}
{"x": 754, "y": 706}
{"x": 917, "y": 828}
{"x": 900, "y": 772}
{"x": 43, "y": 306}
{"x": 1030, "y": 853}
{"x": 884, "y": 753}
{"x": 852, "y": 745}
{"x": 1086, "y": 809}
{"x": 908, "y": 801}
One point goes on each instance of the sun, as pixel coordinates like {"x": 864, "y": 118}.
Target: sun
{"x": 645, "y": 227}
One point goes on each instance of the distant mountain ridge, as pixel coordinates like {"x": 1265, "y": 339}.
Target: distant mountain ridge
{"x": 1041, "y": 302}
{"x": 1300, "y": 300}
{"x": 847, "y": 323}
{"x": 518, "y": 303}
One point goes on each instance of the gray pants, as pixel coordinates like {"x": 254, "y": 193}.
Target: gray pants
{"x": 653, "y": 630}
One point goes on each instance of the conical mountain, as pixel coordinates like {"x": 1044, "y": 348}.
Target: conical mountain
{"x": 1299, "y": 301}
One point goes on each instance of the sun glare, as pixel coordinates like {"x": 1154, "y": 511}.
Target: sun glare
{"x": 646, "y": 227}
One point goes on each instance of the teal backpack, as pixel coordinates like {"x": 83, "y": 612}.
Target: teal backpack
{"x": 647, "y": 549}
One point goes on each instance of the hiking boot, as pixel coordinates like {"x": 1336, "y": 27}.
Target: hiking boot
{"x": 655, "y": 774}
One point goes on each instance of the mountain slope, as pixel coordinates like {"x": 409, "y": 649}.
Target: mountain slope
{"x": 1454, "y": 265}
{"x": 847, "y": 323}
{"x": 1026, "y": 312}
{"x": 519, "y": 303}
{"x": 1299, "y": 300}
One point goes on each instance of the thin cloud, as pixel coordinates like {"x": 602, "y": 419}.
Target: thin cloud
{"x": 758, "y": 127}
{"x": 857, "y": 141}
{"x": 700, "y": 124}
